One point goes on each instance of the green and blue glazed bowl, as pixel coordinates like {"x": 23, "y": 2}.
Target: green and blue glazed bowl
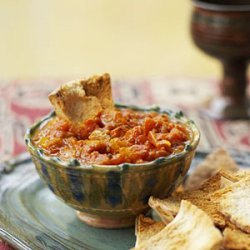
{"x": 111, "y": 196}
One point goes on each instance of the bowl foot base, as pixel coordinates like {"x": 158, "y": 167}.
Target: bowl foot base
{"x": 105, "y": 222}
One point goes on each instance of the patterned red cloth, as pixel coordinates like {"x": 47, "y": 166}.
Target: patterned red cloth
{"x": 5, "y": 246}
{"x": 24, "y": 101}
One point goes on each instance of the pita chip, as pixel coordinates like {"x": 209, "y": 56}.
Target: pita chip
{"x": 234, "y": 203}
{"x": 217, "y": 160}
{"x": 83, "y": 99}
{"x": 168, "y": 208}
{"x": 234, "y": 238}
{"x": 145, "y": 228}
{"x": 191, "y": 229}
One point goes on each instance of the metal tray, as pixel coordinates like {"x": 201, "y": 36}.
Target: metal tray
{"x": 31, "y": 217}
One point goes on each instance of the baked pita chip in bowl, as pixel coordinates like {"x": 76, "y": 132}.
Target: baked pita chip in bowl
{"x": 80, "y": 100}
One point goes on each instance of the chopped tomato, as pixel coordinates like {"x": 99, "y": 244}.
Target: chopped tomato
{"x": 149, "y": 124}
{"x": 113, "y": 137}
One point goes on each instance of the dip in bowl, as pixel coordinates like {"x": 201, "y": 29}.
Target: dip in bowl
{"x": 108, "y": 167}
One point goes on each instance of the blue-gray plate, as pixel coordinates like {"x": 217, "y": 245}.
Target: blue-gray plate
{"x": 31, "y": 217}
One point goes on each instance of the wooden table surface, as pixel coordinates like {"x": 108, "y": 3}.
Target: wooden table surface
{"x": 82, "y": 37}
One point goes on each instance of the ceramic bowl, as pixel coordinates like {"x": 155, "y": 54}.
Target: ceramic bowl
{"x": 111, "y": 196}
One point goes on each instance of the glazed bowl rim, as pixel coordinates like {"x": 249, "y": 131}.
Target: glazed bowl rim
{"x": 205, "y": 5}
{"x": 74, "y": 164}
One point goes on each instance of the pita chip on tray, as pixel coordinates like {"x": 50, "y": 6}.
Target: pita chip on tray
{"x": 234, "y": 203}
{"x": 234, "y": 238}
{"x": 145, "y": 228}
{"x": 168, "y": 208}
{"x": 190, "y": 229}
{"x": 223, "y": 195}
{"x": 219, "y": 159}
{"x": 80, "y": 100}
{"x": 224, "y": 198}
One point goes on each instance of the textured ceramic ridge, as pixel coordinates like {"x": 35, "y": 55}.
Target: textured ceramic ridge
{"x": 109, "y": 192}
